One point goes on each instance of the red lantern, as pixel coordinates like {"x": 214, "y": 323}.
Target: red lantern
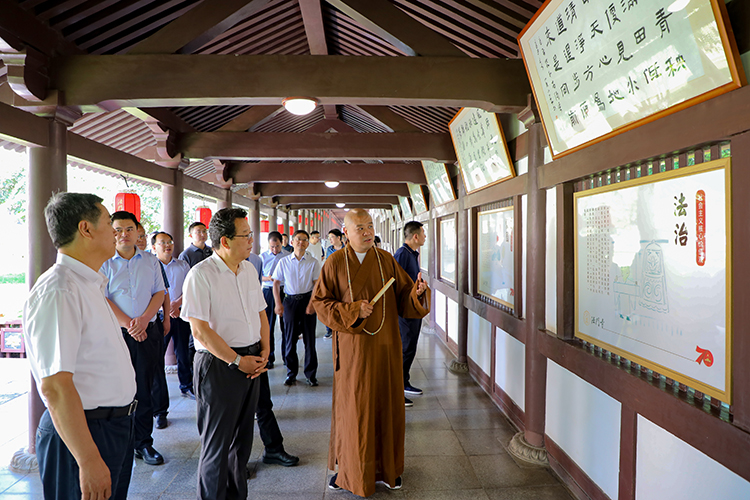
{"x": 307, "y": 221}
{"x": 264, "y": 226}
{"x": 203, "y": 214}
{"x": 291, "y": 230}
{"x": 300, "y": 218}
{"x": 129, "y": 202}
{"x": 281, "y": 228}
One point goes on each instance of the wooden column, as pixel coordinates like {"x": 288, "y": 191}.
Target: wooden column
{"x": 253, "y": 215}
{"x": 47, "y": 175}
{"x": 530, "y": 446}
{"x": 285, "y": 217}
{"x": 172, "y": 199}
{"x": 226, "y": 202}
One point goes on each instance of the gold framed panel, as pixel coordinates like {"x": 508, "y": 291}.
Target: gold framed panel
{"x": 438, "y": 182}
{"x": 417, "y": 198}
{"x": 661, "y": 331}
{"x": 504, "y": 252}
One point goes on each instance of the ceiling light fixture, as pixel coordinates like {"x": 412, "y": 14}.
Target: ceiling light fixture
{"x": 678, "y": 5}
{"x": 299, "y": 105}
{"x": 346, "y": 210}
{"x": 332, "y": 184}
{"x": 341, "y": 205}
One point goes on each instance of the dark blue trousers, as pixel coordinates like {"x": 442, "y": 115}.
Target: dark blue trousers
{"x": 145, "y": 358}
{"x": 297, "y": 322}
{"x": 271, "y": 315}
{"x": 179, "y": 333}
{"x": 270, "y": 433}
{"x": 409, "y": 337}
{"x": 59, "y": 470}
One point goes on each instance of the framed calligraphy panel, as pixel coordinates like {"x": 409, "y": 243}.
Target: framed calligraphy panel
{"x": 447, "y": 269}
{"x": 601, "y": 67}
{"x": 438, "y": 182}
{"x": 396, "y": 215}
{"x": 417, "y": 198}
{"x": 495, "y": 255}
{"x": 481, "y": 149}
{"x": 653, "y": 273}
{"x": 405, "y": 208}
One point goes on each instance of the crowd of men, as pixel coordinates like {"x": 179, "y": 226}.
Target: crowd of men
{"x": 97, "y": 324}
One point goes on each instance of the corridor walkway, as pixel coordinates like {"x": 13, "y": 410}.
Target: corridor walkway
{"x": 455, "y": 444}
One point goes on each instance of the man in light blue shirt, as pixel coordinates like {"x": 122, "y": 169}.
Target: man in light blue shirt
{"x": 135, "y": 292}
{"x": 271, "y": 258}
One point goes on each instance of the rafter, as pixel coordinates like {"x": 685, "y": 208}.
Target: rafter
{"x": 251, "y": 117}
{"x": 309, "y": 146}
{"x": 317, "y": 189}
{"x": 389, "y": 119}
{"x": 315, "y": 171}
{"x": 198, "y": 26}
{"x": 95, "y": 82}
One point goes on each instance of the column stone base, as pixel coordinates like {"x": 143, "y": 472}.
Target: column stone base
{"x": 457, "y": 367}
{"x": 23, "y": 461}
{"x": 527, "y": 453}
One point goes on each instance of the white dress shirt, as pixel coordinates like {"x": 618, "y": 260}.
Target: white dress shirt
{"x": 70, "y": 327}
{"x": 297, "y": 276}
{"x": 229, "y": 302}
{"x": 132, "y": 282}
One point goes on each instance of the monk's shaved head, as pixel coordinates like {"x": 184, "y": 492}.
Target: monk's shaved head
{"x": 359, "y": 229}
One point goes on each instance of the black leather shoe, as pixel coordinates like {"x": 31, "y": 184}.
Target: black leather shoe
{"x": 312, "y": 382}
{"x": 161, "y": 421}
{"x": 149, "y": 455}
{"x": 290, "y": 381}
{"x": 280, "y": 458}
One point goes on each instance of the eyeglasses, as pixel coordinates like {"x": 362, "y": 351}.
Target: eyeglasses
{"x": 163, "y": 243}
{"x": 246, "y": 236}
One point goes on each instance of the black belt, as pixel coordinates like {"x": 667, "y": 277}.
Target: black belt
{"x": 107, "y": 412}
{"x": 299, "y": 296}
{"x": 251, "y": 350}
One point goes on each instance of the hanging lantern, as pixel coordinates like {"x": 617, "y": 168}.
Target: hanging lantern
{"x": 300, "y": 219}
{"x": 281, "y": 228}
{"x": 307, "y": 221}
{"x": 264, "y": 226}
{"x": 203, "y": 214}
{"x": 291, "y": 230}
{"x": 129, "y": 202}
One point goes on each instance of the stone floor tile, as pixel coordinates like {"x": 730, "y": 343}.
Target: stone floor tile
{"x": 552, "y": 492}
{"x": 471, "y": 494}
{"x": 485, "y": 418}
{"x": 500, "y": 471}
{"x": 434, "y": 419}
{"x": 432, "y": 443}
{"x": 437, "y": 473}
{"x": 485, "y": 441}
{"x": 308, "y": 476}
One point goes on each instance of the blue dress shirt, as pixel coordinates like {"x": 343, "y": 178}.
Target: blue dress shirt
{"x": 133, "y": 282}
{"x": 269, "y": 263}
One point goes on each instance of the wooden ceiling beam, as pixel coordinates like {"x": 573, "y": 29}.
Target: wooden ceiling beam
{"x": 198, "y": 26}
{"x": 320, "y": 172}
{"x": 312, "y": 16}
{"x": 332, "y": 206}
{"x": 319, "y": 146}
{"x": 315, "y": 201}
{"x": 397, "y": 28}
{"x": 317, "y": 189}
{"x": 93, "y": 82}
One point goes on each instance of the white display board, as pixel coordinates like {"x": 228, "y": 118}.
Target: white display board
{"x": 405, "y": 208}
{"x": 495, "y": 276}
{"x": 448, "y": 249}
{"x": 417, "y": 198}
{"x": 396, "y": 215}
{"x": 653, "y": 273}
{"x": 599, "y": 67}
{"x": 439, "y": 182}
{"x": 481, "y": 149}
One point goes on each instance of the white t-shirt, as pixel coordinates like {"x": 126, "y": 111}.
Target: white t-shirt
{"x": 229, "y": 302}
{"x": 316, "y": 250}
{"x": 70, "y": 327}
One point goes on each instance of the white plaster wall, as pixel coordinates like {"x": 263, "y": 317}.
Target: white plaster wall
{"x": 524, "y": 230}
{"x": 453, "y": 320}
{"x": 667, "y": 467}
{"x": 550, "y": 278}
{"x": 585, "y": 423}
{"x": 479, "y": 342}
{"x": 510, "y": 366}
{"x": 440, "y": 311}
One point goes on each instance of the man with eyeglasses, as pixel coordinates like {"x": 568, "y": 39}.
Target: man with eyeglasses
{"x": 271, "y": 258}
{"x": 298, "y": 273}
{"x": 176, "y": 269}
{"x": 135, "y": 291}
{"x": 198, "y": 249}
{"x": 224, "y": 304}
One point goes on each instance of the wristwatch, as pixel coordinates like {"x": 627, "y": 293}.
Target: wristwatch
{"x": 235, "y": 365}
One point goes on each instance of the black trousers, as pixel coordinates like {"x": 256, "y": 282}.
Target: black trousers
{"x": 226, "y": 401}
{"x": 296, "y": 322}
{"x": 179, "y": 333}
{"x": 271, "y": 315}
{"x": 270, "y": 433}
{"x": 59, "y": 470}
{"x": 145, "y": 358}
{"x": 409, "y": 337}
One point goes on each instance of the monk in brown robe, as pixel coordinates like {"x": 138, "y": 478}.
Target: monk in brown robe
{"x": 367, "y": 421}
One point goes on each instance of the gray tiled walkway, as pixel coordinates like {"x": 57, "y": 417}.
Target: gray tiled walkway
{"x": 455, "y": 445}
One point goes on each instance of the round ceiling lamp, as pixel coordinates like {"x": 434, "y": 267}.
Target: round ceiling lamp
{"x": 341, "y": 205}
{"x": 678, "y": 5}
{"x": 299, "y": 105}
{"x": 332, "y": 184}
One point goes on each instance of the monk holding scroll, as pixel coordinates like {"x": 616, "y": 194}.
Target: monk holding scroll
{"x": 367, "y": 421}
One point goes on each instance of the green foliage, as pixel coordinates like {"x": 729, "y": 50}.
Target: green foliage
{"x": 13, "y": 193}
{"x": 12, "y": 278}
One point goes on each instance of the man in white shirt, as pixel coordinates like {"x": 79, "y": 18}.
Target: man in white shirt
{"x": 79, "y": 359}
{"x": 271, "y": 258}
{"x": 176, "y": 270}
{"x": 316, "y": 247}
{"x": 223, "y": 301}
{"x": 298, "y": 273}
{"x": 136, "y": 292}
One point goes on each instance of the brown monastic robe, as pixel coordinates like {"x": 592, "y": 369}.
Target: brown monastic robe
{"x": 367, "y": 421}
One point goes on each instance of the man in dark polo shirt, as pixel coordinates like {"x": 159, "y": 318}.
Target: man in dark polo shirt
{"x": 198, "y": 250}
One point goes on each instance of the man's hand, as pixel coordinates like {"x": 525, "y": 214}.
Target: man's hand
{"x": 167, "y": 325}
{"x": 253, "y": 365}
{"x": 96, "y": 482}
{"x": 365, "y": 309}
{"x": 137, "y": 328}
{"x": 174, "y": 308}
{"x": 309, "y": 310}
{"x": 421, "y": 285}
{"x": 279, "y": 309}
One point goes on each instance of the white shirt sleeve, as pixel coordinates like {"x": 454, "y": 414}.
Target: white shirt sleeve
{"x": 260, "y": 301}
{"x": 317, "y": 269}
{"x": 196, "y": 299}
{"x": 53, "y": 327}
{"x": 278, "y": 273}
